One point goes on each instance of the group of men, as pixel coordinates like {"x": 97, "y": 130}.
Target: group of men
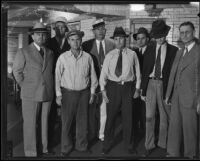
{"x": 99, "y": 78}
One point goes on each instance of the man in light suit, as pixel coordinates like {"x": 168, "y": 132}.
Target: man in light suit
{"x": 98, "y": 48}
{"x": 183, "y": 92}
{"x": 156, "y": 69}
{"x": 32, "y": 70}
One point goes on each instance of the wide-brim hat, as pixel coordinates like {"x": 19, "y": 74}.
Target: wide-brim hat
{"x": 159, "y": 29}
{"x": 119, "y": 32}
{"x": 38, "y": 27}
{"x": 98, "y": 23}
{"x": 141, "y": 30}
{"x": 75, "y": 32}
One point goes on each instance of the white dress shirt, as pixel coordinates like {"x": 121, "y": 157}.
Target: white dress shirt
{"x": 162, "y": 57}
{"x": 189, "y": 47}
{"x": 129, "y": 61}
{"x": 143, "y": 49}
{"x": 98, "y": 45}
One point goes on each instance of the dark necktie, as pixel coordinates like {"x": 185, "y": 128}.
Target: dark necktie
{"x": 158, "y": 64}
{"x": 118, "y": 69}
{"x": 41, "y": 52}
{"x": 101, "y": 53}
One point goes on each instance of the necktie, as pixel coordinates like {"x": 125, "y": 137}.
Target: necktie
{"x": 101, "y": 53}
{"x": 118, "y": 69}
{"x": 41, "y": 52}
{"x": 140, "y": 51}
{"x": 158, "y": 64}
{"x": 186, "y": 51}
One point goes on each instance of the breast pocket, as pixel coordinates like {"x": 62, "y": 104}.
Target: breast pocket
{"x": 85, "y": 70}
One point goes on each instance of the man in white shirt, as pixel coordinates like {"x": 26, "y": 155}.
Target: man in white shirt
{"x": 98, "y": 48}
{"x": 116, "y": 82}
{"x": 76, "y": 83}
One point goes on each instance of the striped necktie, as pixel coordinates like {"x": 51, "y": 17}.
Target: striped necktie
{"x": 158, "y": 64}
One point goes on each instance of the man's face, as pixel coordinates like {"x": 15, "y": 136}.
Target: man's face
{"x": 75, "y": 42}
{"x": 142, "y": 40}
{"x": 161, "y": 40}
{"x": 100, "y": 32}
{"x": 186, "y": 33}
{"x": 119, "y": 42}
{"x": 60, "y": 29}
{"x": 39, "y": 38}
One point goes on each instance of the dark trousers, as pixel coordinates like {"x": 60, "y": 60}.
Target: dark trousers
{"x": 120, "y": 98}
{"x": 74, "y": 108}
{"x": 139, "y": 118}
{"x": 94, "y": 118}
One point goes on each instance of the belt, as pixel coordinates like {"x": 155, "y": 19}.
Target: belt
{"x": 120, "y": 82}
{"x": 154, "y": 78}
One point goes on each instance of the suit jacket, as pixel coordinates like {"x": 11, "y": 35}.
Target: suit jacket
{"x": 149, "y": 62}
{"x": 185, "y": 77}
{"x": 90, "y": 46}
{"x": 34, "y": 74}
{"x": 54, "y": 46}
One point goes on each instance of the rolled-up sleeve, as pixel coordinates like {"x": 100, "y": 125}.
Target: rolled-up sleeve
{"x": 104, "y": 73}
{"x": 58, "y": 75}
{"x": 18, "y": 67}
{"x": 94, "y": 81}
{"x": 138, "y": 73}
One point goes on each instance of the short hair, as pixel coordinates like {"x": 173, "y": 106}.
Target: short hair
{"x": 188, "y": 23}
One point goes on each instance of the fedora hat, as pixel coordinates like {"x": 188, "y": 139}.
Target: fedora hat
{"x": 141, "y": 30}
{"x": 98, "y": 23}
{"x": 119, "y": 31}
{"x": 38, "y": 27}
{"x": 75, "y": 32}
{"x": 159, "y": 29}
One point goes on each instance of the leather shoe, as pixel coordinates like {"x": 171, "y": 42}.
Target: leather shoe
{"x": 47, "y": 154}
{"x": 132, "y": 151}
{"x": 65, "y": 154}
{"x": 148, "y": 152}
{"x": 105, "y": 151}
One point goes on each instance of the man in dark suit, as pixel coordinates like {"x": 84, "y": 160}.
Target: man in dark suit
{"x": 183, "y": 92}
{"x": 33, "y": 71}
{"x": 142, "y": 38}
{"x": 156, "y": 69}
{"x": 98, "y": 48}
{"x": 58, "y": 44}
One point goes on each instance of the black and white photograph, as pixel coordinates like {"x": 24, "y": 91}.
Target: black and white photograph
{"x": 100, "y": 80}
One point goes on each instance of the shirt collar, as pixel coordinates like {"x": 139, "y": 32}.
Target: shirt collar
{"x": 37, "y": 46}
{"x": 71, "y": 54}
{"x": 123, "y": 50}
{"x": 163, "y": 45}
{"x": 189, "y": 47}
{"x": 98, "y": 41}
{"x": 143, "y": 48}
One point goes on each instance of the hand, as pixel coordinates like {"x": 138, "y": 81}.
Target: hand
{"x": 198, "y": 108}
{"x": 143, "y": 98}
{"x": 91, "y": 99}
{"x": 104, "y": 95}
{"x": 58, "y": 100}
{"x": 167, "y": 101}
{"x": 137, "y": 93}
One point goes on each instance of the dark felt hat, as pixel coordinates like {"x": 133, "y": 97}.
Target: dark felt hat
{"x": 119, "y": 31}
{"x": 159, "y": 29}
{"x": 141, "y": 30}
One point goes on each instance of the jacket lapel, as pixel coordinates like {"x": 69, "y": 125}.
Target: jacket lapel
{"x": 189, "y": 58}
{"x": 35, "y": 54}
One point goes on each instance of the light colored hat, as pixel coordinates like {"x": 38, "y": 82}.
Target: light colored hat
{"x": 38, "y": 27}
{"x": 98, "y": 23}
{"x": 75, "y": 32}
{"x": 61, "y": 19}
